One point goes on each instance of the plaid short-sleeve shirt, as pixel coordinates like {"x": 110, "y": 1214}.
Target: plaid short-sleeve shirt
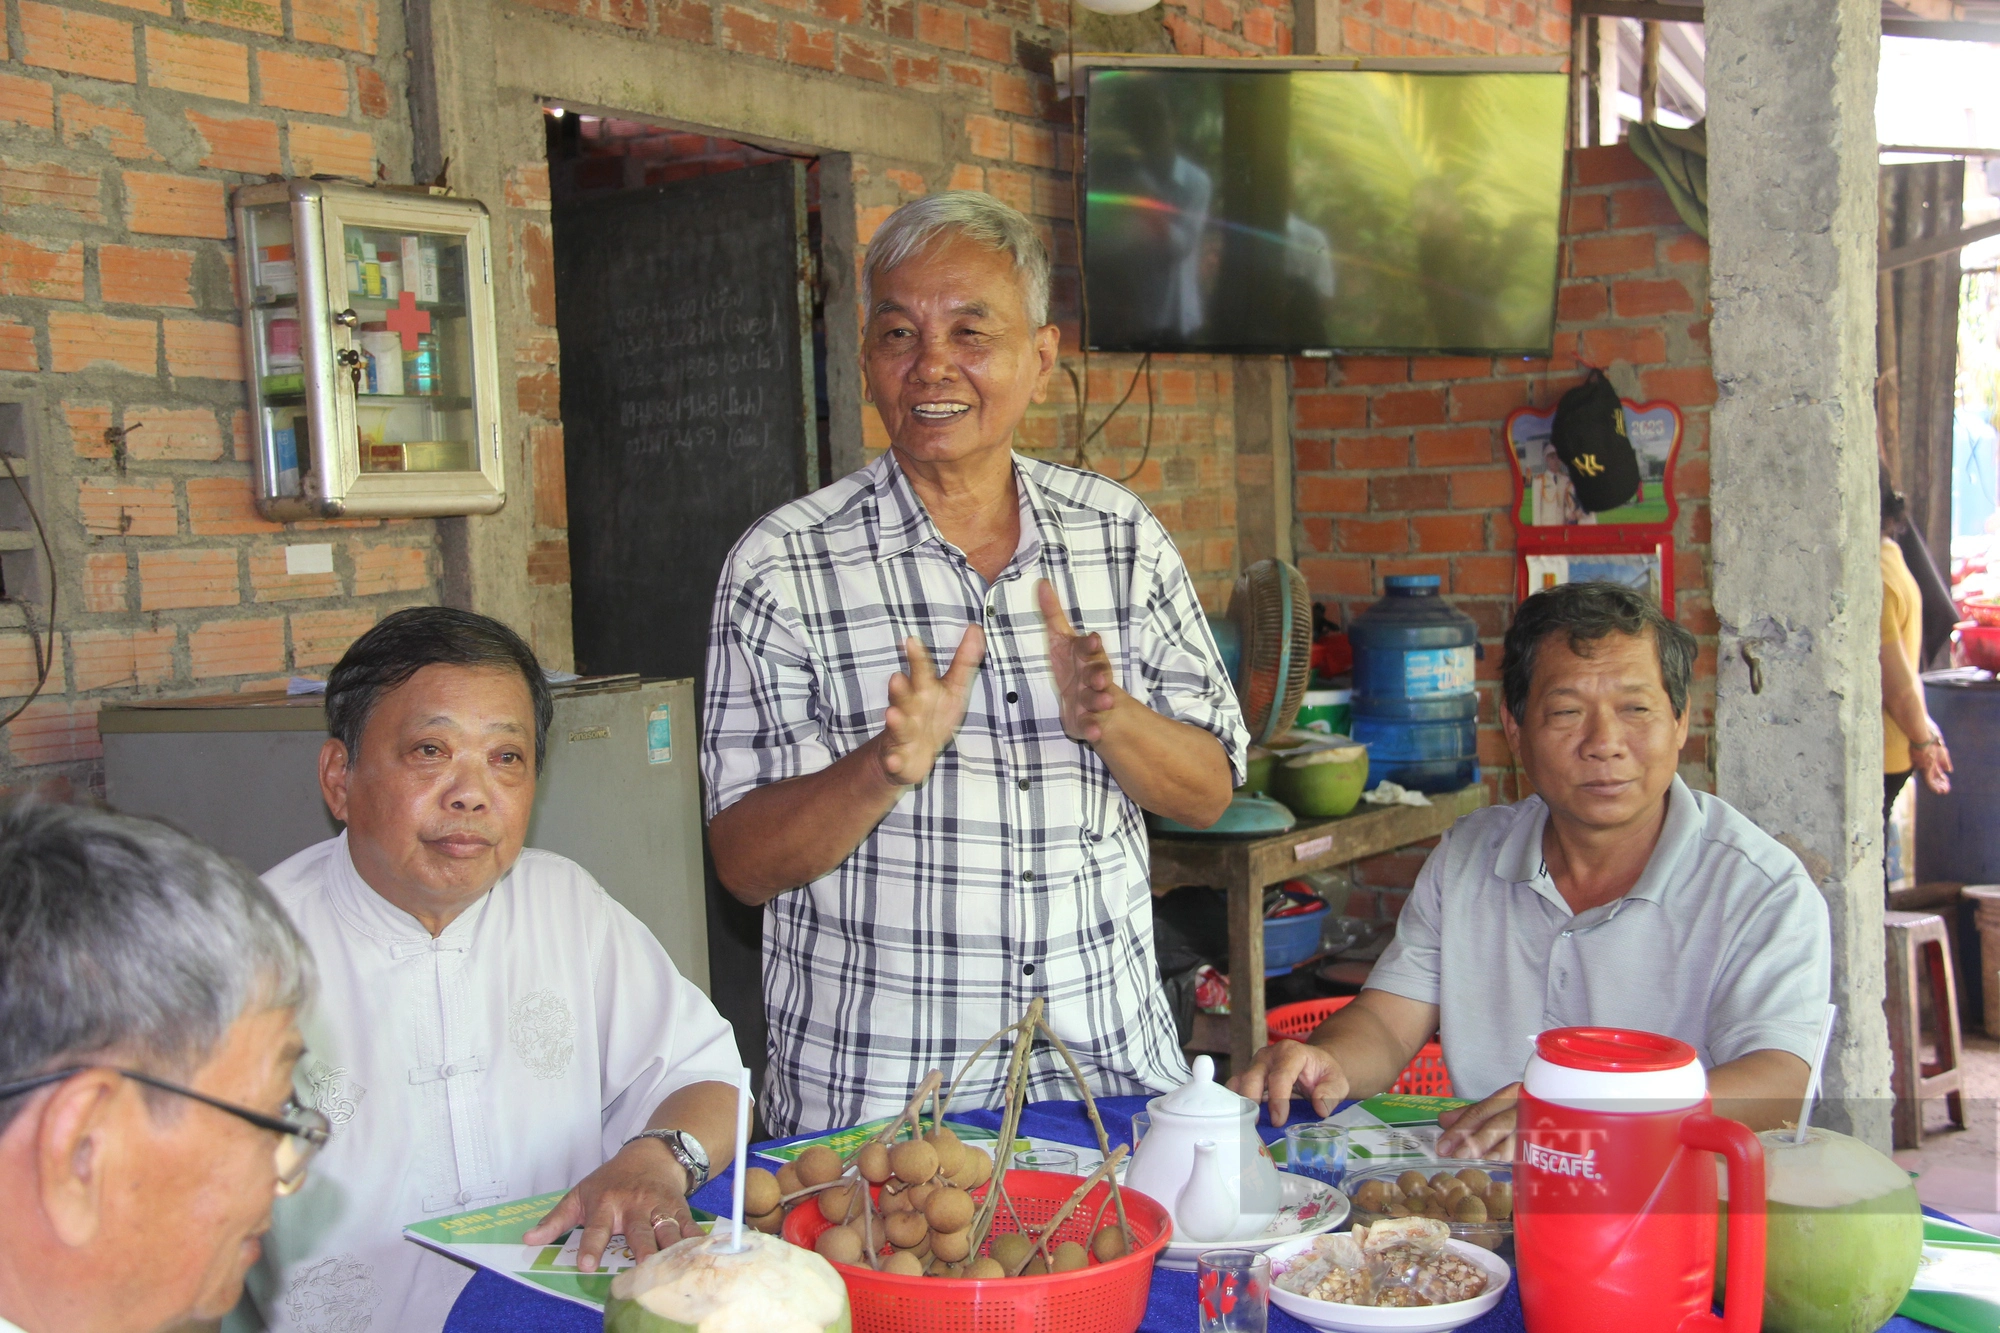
{"x": 1019, "y": 867}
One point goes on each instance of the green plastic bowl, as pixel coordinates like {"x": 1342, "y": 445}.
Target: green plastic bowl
{"x": 1324, "y": 784}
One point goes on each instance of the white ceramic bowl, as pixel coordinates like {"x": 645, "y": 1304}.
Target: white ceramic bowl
{"x": 1339, "y": 1318}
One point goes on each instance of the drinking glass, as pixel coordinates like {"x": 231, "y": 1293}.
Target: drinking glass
{"x": 1059, "y": 1160}
{"x": 1316, "y": 1149}
{"x": 1233, "y": 1291}
{"x": 1141, "y": 1122}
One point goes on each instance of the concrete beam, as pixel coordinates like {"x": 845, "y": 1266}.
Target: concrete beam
{"x": 1792, "y": 186}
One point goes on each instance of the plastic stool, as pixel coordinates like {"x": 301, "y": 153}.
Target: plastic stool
{"x": 1917, "y": 940}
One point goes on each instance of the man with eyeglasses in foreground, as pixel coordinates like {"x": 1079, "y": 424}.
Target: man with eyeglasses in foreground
{"x": 148, "y": 995}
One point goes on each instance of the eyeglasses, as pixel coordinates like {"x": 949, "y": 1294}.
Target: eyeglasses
{"x": 302, "y": 1130}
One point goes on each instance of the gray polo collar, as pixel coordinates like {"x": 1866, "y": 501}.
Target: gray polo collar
{"x": 1520, "y": 857}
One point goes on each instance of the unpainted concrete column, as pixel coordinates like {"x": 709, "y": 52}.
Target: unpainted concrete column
{"x": 1791, "y": 178}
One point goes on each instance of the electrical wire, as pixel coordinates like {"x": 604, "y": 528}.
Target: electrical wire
{"x": 44, "y": 650}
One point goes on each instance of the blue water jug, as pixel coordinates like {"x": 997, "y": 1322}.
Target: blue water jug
{"x": 1415, "y": 703}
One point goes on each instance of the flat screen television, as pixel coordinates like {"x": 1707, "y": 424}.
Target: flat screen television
{"x": 1299, "y": 210}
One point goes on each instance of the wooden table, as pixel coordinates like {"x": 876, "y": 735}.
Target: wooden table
{"x": 1245, "y": 867}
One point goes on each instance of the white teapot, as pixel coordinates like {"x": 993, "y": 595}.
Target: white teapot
{"x": 1202, "y": 1161}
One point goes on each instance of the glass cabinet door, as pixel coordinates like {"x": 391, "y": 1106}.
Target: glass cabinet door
{"x": 412, "y": 381}
{"x": 274, "y": 337}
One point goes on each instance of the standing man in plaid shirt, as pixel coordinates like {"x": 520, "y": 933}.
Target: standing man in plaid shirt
{"x": 933, "y": 867}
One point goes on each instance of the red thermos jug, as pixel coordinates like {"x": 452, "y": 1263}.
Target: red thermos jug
{"x": 1615, "y": 1192}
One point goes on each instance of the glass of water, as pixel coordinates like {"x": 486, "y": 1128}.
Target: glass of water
{"x": 1059, "y": 1160}
{"x": 1233, "y": 1291}
{"x": 1317, "y": 1150}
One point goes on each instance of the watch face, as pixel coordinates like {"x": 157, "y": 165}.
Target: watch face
{"x": 691, "y": 1145}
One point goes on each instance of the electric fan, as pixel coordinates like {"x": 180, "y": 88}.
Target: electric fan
{"x": 1266, "y": 643}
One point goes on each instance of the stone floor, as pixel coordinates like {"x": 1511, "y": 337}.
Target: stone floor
{"x": 1958, "y": 1171}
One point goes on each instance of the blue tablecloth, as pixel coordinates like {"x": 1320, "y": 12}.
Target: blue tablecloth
{"x": 494, "y": 1304}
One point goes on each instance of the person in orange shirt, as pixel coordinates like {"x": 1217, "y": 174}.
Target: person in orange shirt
{"x": 1910, "y": 740}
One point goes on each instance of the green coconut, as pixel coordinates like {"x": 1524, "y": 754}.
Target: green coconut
{"x": 704, "y": 1285}
{"x": 1843, "y": 1234}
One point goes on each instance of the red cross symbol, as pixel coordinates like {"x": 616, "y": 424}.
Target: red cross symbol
{"x": 407, "y": 320}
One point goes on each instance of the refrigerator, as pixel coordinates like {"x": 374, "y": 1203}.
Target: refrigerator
{"x": 618, "y": 793}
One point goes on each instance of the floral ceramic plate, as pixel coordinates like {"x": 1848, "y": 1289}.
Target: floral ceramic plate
{"x": 1310, "y": 1207}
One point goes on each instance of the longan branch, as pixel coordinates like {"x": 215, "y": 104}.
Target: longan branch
{"x": 1104, "y": 1168}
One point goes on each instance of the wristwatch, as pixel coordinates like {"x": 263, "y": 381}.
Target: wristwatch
{"x": 687, "y": 1150}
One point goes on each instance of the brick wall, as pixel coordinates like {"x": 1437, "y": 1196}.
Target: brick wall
{"x": 125, "y": 126}
{"x": 1439, "y": 27}
{"x": 1402, "y": 467}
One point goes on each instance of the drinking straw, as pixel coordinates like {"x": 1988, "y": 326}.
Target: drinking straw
{"x": 742, "y": 1161}
{"x": 1812, "y": 1083}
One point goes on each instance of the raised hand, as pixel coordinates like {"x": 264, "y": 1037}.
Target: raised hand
{"x": 1084, "y": 678}
{"x": 925, "y": 709}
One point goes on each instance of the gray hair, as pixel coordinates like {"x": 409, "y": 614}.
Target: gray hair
{"x": 123, "y": 937}
{"x": 980, "y": 218}
{"x": 1587, "y": 613}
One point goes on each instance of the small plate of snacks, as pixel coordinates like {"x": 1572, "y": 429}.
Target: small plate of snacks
{"x": 1404, "y": 1274}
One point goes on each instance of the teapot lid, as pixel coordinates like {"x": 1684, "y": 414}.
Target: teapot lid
{"x": 1202, "y": 1095}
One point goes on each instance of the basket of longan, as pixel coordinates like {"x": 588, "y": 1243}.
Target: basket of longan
{"x": 1475, "y": 1199}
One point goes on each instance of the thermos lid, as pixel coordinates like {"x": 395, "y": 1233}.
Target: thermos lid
{"x": 1615, "y": 1069}
{"x": 1408, "y": 583}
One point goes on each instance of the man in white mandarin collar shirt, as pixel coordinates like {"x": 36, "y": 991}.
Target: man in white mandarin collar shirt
{"x": 492, "y": 1025}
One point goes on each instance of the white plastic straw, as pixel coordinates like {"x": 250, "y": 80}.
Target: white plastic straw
{"x": 742, "y": 1161}
{"x": 1812, "y": 1082}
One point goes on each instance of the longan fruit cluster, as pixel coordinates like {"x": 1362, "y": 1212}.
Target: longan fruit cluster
{"x": 1468, "y": 1195}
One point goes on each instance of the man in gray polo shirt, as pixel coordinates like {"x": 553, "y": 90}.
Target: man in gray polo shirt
{"x": 1615, "y": 897}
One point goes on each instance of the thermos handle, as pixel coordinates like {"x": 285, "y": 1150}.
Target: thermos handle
{"x": 1743, "y": 1301}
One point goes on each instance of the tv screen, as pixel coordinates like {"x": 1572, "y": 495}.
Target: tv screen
{"x": 1296, "y": 210}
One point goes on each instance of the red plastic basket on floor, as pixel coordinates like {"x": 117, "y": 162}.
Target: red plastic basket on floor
{"x": 1425, "y": 1076}
{"x": 1103, "y": 1298}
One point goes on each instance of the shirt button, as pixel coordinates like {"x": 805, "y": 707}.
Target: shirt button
{"x": 1012, "y": 697}
{"x": 1027, "y": 969}
{"x": 1027, "y": 876}
{"x": 449, "y": 1071}
{"x": 1022, "y": 783}
{"x": 989, "y": 610}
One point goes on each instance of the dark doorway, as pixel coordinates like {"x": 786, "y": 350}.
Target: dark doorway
{"x": 693, "y": 403}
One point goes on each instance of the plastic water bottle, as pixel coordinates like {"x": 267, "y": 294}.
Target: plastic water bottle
{"x": 1415, "y": 702}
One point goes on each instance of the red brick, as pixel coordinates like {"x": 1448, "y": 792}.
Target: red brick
{"x": 320, "y": 638}
{"x": 238, "y": 143}
{"x": 990, "y": 41}
{"x": 548, "y": 563}
{"x": 925, "y": 73}
{"x": 633, "y": 14}
{"x": 52, "y": 270}
{"x": 17, "y": 346}
{"x": 127, "y": 507}
{"x": 1310, "y": 455}
{"x": 967, "y": 177}
{"x": 1410, "y": 407}
{"x": 1260, "y": 28}
{"x": 545, "y": 450}
{"x": 1641, "y": 346}
{"x": 969, "y": 77}
{"x": 1644, "y": 206}
{"x": 55, "y": 731}
{"x": 1637, "y": 298}
{"x": 1374, "y": 536}
{"x": 29, "y": 103}
{"x": 539, "y": 395}
{"x": 1426, "y": 369}
{"x": 1608, "y": 165}
{"x": 204, "y": 66}
{"x": 1015, "y": 94}
{"x": 1587, "y": 212}
{"x": 203, "y": 349}
{"x": 58, "y": 37}
{"x": 269, "y": 581}
{"x": 46, "y": 185}
{"x": 223, "y": 507}
{"x": 1450, "y": 532}
{"x": 353, "y": 24}
{"x": 172, "y": 579}
{"x": 989, "y": 137}
{"x": 750, "y": 33}
{"x": 811, "y": 47}
{"x": 1685, "y": 250}
{"x": 237, "y": 648}
{"x": 131, "y": 275}
{"x": 330, "y": 151}
{"x": 104, "y": 583}
{"x": 385, "y": 569}
{"x": 1014, "y": 188}
{"x": 1474, "y": 575}
{"x": 116, "y": 129}
{"x": 21, "y": 659}
{"x": 1459, "y": 446}
{"x": 87, "y": 423}
{"x": 863, "y": 60}
{"x": 78, "y": 341}
{"x": 263, "y": 16}
{"x": 941, "y": 27}
{"x": 1332, "y": 495}
{"x": 1334, "y": 577}
{"x": 1395, "y": 870}
{"x": 180, "y": 434}
{"x": 158, "y": 204}
{"x": 302, "y": 83}
{"x": 371, "y": 91}
{"x": 1582, "y": 302}
{"x": 849, "y": 12}
{"x": 109, "y": 659}
{"x": 1034, "y": 147}
{"x": 538, "y": 272}
{"x": 1373, "y": 369}
{"x": 1482, "y": 488}
{"x": 1371, "y": 451}
{"x": 1409, "y": 490}
{"x": 1691, "y": 477}
{"x": 1596, "y": 256}
{"x": 1681, "y": 386}
{"x": 1329, "y": 411}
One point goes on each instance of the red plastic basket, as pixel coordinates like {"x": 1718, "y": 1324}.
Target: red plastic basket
{"x": 1424, "y": 1076}
{"x": 1103, "y": 1298}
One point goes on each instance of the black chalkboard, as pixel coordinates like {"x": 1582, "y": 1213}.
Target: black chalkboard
{"x": 686, "y": 399}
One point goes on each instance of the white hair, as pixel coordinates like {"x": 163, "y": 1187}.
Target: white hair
{"x": 979, "y": 218}
{"x": 123, "y": 935}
